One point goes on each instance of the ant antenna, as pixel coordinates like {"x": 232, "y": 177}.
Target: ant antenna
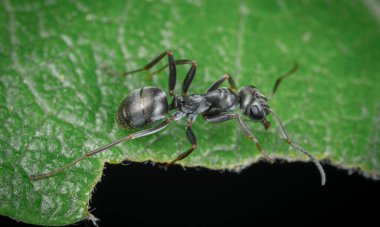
{"x": 296, "y": 147}
{"x": 278, "y": 81}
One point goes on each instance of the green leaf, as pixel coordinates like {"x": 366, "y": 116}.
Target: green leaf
{"x": 57, "y": 101}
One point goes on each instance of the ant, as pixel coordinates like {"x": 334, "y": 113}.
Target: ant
{"x": 150, "y": 104}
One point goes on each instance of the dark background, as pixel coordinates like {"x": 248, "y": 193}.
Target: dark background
{"x": 263, "y": 194}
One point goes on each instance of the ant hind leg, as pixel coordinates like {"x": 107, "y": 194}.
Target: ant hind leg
{"x": 172, "y": 69}
{"x": 135, "y": 135}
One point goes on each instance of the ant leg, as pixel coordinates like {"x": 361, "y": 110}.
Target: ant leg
{"x": 172, "y": 69}
{"x": 189, "y": 77}
{"x": 278, "y": 81}
{"x": 217, "y": 83}
{"x": 225, "y": 117}
{"x": 177, "y": 62}
{"x": 135, "y": 135}
{"x": 191, "y": 137}
{"x": 150, "y": 64}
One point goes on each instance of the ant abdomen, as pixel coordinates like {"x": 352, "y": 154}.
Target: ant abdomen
{"x": 142, "y": 106}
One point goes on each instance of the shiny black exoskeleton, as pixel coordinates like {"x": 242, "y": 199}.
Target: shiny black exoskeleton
{"x": 142, "y": 106}
{"x": 150, "y": 104}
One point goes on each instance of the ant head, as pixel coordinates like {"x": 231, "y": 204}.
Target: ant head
{"x": 253, "y": 104}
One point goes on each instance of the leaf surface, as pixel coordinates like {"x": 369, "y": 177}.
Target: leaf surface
{"x": 57, "y": 101}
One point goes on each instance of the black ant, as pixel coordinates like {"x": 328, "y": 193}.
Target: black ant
{"x": 150, "y": 104}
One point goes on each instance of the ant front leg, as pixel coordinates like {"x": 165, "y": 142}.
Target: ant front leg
{"x": 217, "y": 83}
{"x": 225, "y": 117}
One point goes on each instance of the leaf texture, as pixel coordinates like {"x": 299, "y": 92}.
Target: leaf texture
{"x": 58, "y": 101}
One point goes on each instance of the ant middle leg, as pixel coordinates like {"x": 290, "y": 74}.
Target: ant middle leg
{"x": 225, "y": 117}
{"x": 217, "y": 83}
{"x": 189, "y": 77}
{"x": 191, "y": 137}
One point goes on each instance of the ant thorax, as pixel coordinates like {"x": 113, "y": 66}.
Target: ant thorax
{"x": 193, "y": 104}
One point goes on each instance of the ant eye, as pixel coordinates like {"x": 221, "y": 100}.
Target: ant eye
{"x": 255, "y": 113}
{"x": 254, "y": 110}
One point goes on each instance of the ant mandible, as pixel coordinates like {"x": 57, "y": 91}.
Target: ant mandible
{"x": 150, "y": 104}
